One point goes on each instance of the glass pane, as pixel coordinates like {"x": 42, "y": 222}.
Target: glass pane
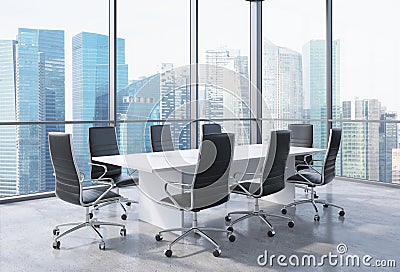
{"x": 370, "y": 151}
{"x": 369, "y": 56}
{"x": 157, "y": 45}
{"x": 158, "y": 81}
{"x": 52, "y": 68}
{"x": 369, "y": 69}
{"x": 294, "y": 64}
{"x": 224, "y": 57}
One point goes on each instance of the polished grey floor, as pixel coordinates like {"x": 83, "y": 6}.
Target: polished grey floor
{"x": 370, "y": 227}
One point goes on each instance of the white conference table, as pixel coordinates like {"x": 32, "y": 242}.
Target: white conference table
{"x": 158, "y": 167}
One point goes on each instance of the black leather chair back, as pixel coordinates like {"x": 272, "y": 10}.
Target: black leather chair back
{"x": 275, "y": 164}
{"x": 328, "y": 170}
{"x": 103, "y": 142}
{"x": 301, "y": 135}
{"x": 210, "y": 182}
{"x": 65, "y": 169}
{"x": 161, "y": 139}
{"x": 211, "y": 128}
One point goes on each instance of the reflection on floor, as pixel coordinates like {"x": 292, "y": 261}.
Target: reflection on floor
{"x": 370, "y": 227}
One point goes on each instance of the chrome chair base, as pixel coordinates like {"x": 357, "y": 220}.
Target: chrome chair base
{"x": 196, "y": 230}
{"x": 314, "y": 202}
{"x": 258, "y": 213}
{"x": 93, "y": 223}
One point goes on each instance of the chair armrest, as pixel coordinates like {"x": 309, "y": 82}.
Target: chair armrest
{"x": 256, "y": 175}
{"x": 100, "y": 165}
{"x": 104, "y": 181}
{"x": 170, "y": 196}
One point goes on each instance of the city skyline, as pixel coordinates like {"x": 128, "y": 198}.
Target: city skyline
{"x": 37, "y": 85}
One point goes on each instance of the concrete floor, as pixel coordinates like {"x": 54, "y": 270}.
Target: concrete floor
{"x": 370, "y": 226}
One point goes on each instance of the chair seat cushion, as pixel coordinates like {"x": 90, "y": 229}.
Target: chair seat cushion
{"x": 184, "y": 201}
{"x": 313, "y": 178}
{"x": 91, "y": 194}
{"x": 124, "y": 180}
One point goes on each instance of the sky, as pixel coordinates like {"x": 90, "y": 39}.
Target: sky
{"x": 158, "y": 31}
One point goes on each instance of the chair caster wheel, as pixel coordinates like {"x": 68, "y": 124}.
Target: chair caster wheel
{"x": 122, "y": 232}
{"x": 168, "y": 253}
{"x": 341, "y": 213}
{"x": 123, "y": 217}
{"x": 90, "y": 215}
{"x": 271, "y": 233}
{"x": 102, "y": 246}
{"x": 326, "y": 205}
{"x": 56, "y": 244}
{"x": 228, "y": 218}
{"x": 217, "y": 252}
{"x": 283, "y": 211}
{"x": 231, "y": 238}
{"x": 290, "y": 224}
{"x": 56, "y": 232}
{"x": 158, "y": 237}
{"x": 128, "y": 203}
{"x": 230, "y": 228}
{"x": 316, "y": 217}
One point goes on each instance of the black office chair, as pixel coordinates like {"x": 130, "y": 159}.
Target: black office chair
{"x": 103, "y": 142}
{"x": 69, "y": 187}
{"x": 211, "y": 128}
{"x": 312, "y": 178}
{"x": 302, "y": 135}
{"x": 161, "y": 139}
{"x": 271, "y": 181}
{"x": 209, "y": 187}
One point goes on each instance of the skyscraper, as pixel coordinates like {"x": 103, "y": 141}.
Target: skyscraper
{"x": 40, "y": 96}
{"x": 360, "y": 140}
{"x": 388, "y": 134}
{"x": 314, "y": 78}
{"x": 175, "y": 101}
{"x": 138, "y": 101}
{"x": 90, "y": 85}
{"x": 225, "y": 91}
{"x": 283, "y": 84}
{"x": 8, "y": 134}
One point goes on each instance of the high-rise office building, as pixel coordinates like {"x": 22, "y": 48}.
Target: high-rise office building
{"x": 360, "y": 140}
{"x": 225, "y": 90}
{"x": 90, "y": 85}
{"x": 40, "y": 96}
{"x": 175, "y": 101}
{"x": 314, "y": 82}
{"x": 8, "y": 134}
{"x": 283, "y": 85}
{"x": 138, "y": 101}
{"x": 388, "y": 134}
